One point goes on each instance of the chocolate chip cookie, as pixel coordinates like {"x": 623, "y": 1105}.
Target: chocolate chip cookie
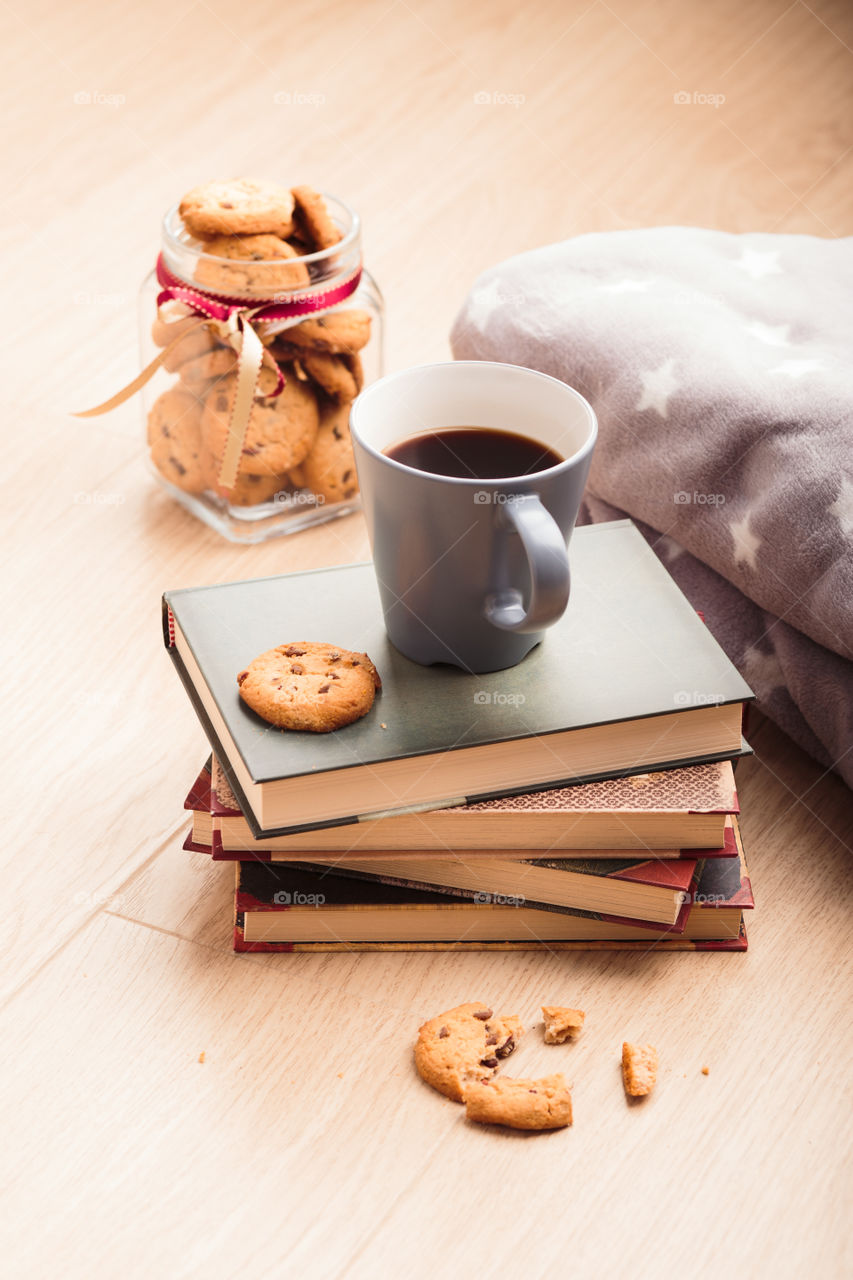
{"x": 175, "y": 441}
{"x": 310, "y": 686}
{"x": 312, "y": 218}
{"x": 337, "y": 332}
{"x": 329, "y": 469}
{"x": 545, "y": 1103}
{"x": 250, "y": 490}
{"x": 252, "y": 263}
{"x": 240, "y": 206}
{"x": 195, "y": 344}
{"x": 464, "y": 1045}
{"x": 281, "y": 428}
{"x": 341, "y": 377}
{"x": 209, "y": 367}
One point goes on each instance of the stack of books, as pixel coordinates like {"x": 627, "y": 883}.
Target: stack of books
{"x": 584, "y": 798}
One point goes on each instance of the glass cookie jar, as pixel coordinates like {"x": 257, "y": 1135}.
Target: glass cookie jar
{"x": 318, "y": 315}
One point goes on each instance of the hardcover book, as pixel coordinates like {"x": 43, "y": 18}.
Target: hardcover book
{"x": 641, "y": 889}
{"x": 676, "y": 812}
{"x": 286, "y": 908}
{"x": 627, "y": 681}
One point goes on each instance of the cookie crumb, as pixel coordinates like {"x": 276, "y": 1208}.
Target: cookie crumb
{"x": 561, "y": 1024}
{"x": 706, "y": 1071}
{"x": 383, "y": 725}
{"x": 201, "y": 1056}
{"x": 639, "y": 1068}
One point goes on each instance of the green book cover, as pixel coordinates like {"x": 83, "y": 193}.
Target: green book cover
{"x": 630, "y": 646}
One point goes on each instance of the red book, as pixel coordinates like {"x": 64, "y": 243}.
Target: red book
{"x": 680, "y": 813}
{"x": 290, "y": 908}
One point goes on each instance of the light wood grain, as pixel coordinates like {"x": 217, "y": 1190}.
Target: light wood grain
{"x": 304, "y": 1145}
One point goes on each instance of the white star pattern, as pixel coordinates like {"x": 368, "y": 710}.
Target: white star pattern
{"x": 796, "y": 368}
{"x": 763, "y": 671}
{"x": 775, "y": 335}
{"x": 626, "y": 286}
{"x": 746, "y": 543}
{"x": 759, "y": 263}
{"x": 658, "y": 386}
{"x": 482, "y": 303}
{"x": 842, "y": 507}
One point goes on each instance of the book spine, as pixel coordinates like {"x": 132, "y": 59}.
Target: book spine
{"x": 192, "y": 847}
{"x": 168, "y": 625}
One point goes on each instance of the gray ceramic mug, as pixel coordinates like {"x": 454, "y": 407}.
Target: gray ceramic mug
{"x": 471, "y": 571}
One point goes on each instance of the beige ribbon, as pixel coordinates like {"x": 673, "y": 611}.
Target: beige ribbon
{"x": 237, "y": 332}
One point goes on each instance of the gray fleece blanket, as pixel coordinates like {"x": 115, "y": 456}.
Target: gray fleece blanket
{"x": 719, "y": 367}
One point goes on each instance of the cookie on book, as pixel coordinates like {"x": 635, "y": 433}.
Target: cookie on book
{"x": 545, "y": 1103}
{"x": 239, "y": 206}
{"x": 561, "y": 1024}
{"x": 464, "y": 1045}
{"x": 310, "y": 686}
{"x": 639, "y": 1068}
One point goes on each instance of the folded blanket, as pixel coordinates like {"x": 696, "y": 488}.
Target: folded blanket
{"x": 718, "y": 366}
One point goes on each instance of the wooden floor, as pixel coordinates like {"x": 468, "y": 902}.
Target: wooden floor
{"x": 304, "y": 1145}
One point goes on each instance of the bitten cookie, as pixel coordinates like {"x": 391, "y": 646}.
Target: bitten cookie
{"x": 639, "y": 1068}
{"x": 337, "y": 332}
{"x": 281, "y": 431}
{"x": 309, "y": 686}
{"x": 252, "y": 264}
{"x": 175, "y": 441}
{"x": 464, "y": 1045}
{"x": 561, "y": 1024}
{"x": 312, "y": 218}
{"x": 240, "y": 206}
{"x": 520, "y": 1104}
{"x": 329, "y": 469}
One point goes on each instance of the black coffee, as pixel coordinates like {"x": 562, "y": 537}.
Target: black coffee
{"x": 474, "y": 453}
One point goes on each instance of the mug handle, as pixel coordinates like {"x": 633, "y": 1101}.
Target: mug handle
{"x": 548, "y": 561}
